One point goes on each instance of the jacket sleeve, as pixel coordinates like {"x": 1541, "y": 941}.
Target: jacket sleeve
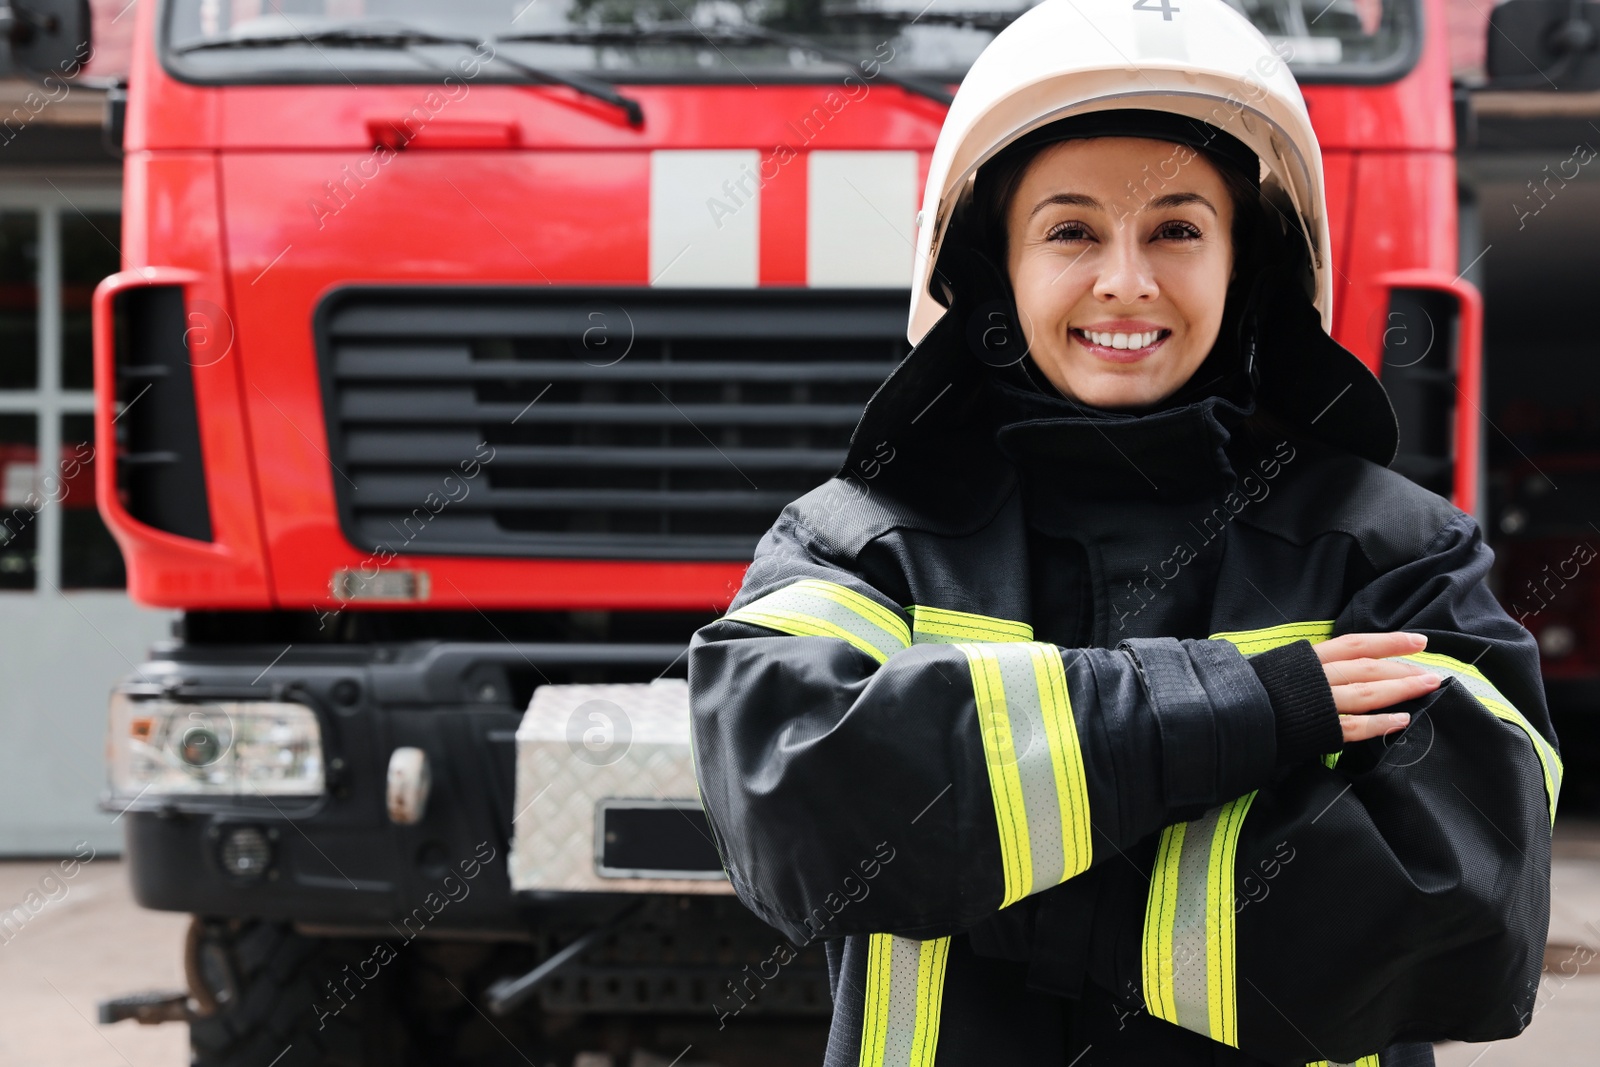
{"x": 1400, "y": 894}
{"x": 865, "y": 768}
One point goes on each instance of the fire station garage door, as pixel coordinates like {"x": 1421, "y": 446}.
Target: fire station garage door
{"x": 67, "y": 631}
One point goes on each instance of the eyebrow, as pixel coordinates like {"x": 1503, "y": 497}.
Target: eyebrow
{"x": 1160, "y": 203}
{"x": 1066, "y": 200}
{"x": 1178, "y": 199}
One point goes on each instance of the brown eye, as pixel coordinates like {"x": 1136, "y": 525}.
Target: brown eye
{"x": 1178, "y": 231}
{"x": 1067, "y": 231}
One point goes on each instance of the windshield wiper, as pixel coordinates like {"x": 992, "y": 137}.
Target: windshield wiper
{"x": 397, "y": 37}
{"x": 975, "y": 19}
{"x": 729, "y": 34}
{"x": 406, "y": 37}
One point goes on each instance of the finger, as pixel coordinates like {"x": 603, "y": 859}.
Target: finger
{"x": 1371, "y": 646}
{"x": 1362, "y": 727}
{"x": 1361, "y": 697}
{"x": 1344, "y": 672}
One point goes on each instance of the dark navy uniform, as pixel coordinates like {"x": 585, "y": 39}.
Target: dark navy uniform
{"x": 1020, "y": 714}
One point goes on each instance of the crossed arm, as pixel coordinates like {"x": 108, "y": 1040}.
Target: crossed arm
{"x": 828, "y": 720}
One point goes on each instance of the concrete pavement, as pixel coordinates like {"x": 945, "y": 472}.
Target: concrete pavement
{"x": 84, "y": 940}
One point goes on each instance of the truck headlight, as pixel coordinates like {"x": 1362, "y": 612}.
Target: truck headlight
{"x": 186, "y": 748}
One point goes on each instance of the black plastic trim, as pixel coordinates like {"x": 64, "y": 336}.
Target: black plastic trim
{"x": 1420, "y": 342}
{"x": 160, "y": 468}
{"x": 706, "y": 314}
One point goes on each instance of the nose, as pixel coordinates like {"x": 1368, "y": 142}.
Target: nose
{"x": 1125, "y": 274}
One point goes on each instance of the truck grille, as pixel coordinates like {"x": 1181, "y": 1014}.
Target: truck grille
{"x": 639, "y": 424}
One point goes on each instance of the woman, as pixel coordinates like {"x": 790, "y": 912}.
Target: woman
{"x": 1067, "y": 714}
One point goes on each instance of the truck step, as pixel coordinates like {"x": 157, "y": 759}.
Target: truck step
{"x": 146, "y": 1009}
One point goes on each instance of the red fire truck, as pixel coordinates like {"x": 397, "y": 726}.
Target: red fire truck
{"x": 459, "y": 359}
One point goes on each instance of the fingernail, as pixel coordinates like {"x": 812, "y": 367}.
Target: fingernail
{"x": 1431, "y": 678}
{"x": 1400, "y": 718}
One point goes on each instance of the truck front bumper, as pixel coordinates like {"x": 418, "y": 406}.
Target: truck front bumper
{"x": 338, "y": 860}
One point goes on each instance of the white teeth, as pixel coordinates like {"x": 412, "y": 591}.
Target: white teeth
{"x": 1123, "y": 340}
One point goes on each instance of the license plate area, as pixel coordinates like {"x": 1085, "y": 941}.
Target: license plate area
{"x": 654, "y": 839}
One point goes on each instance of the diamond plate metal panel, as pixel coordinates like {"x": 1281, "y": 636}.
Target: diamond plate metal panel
{"x": 580, "y": 744}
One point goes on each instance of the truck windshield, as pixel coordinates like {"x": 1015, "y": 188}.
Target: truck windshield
{"x": 639, "y": 41}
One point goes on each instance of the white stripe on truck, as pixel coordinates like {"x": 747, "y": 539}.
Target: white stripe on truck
{"x": 705, "y": 219}
{"x": 861, "y": 219}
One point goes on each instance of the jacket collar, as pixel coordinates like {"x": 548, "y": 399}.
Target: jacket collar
{"x": 1174, "y": 455}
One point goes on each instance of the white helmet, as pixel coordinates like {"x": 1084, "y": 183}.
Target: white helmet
{"x": 1203, "y": 60}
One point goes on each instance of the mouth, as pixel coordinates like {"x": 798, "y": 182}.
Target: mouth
{"x": 1120, "y": 347}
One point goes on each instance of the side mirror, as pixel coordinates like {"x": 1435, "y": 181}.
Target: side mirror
{"x": 44, "y": 37}
{"x": 1544, "y": 44}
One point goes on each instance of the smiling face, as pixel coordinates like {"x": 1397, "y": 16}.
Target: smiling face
{"x": 1120, "y": 273}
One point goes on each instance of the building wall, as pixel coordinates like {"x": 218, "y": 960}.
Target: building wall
{"x": 67, "y": 631}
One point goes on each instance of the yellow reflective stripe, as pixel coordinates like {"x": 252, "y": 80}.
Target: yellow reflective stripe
{"x": 1188, "y": 959}
{"x": 1474, "y": 682}
{"x": 944, "y": 626}
{"x": 1250, "y": 642}
{"x": 875, "y": 1008}
{"x": 1005, "y": 785}
{"x": 1066, "y": 761}
{"x": 1156, "y": 963}
{"x": 815, "y": 608}
{"x": 904, "y": 996}
{"x": 1221, "y": 941}
{"x": 864, "y": 606}
{"x": 931, "y": 961}
{"x": 1365, "y": 1061}
{"x": 1035, "y": 764}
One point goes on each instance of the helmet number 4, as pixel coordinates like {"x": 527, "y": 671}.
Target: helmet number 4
{"x": 1163, "y": 6}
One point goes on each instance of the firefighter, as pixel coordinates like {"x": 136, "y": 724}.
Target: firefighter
{"x": 1114, "y": 703}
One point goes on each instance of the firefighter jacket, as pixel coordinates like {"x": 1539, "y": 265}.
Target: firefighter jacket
{"x": 1019, "y": 714}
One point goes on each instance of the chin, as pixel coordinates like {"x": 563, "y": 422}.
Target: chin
{"x": 1092, "y": 381}
{"x": 1113, "y": 392}
{"x": 1122, "y": 399}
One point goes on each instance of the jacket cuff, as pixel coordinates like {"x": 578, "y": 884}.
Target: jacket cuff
{"x": 1214, "y": 716}
{"x": 1302, "y": 701}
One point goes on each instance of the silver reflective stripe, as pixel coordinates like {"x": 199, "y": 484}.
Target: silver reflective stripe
{"x": 1189, "y": 926}
{"x": 815, "y": 608}
{"x": 1188, "y": 958}
{"x": 1035, "y": 764}
{"x": 1473, "y": 681}
{"x": 904, "y": 995}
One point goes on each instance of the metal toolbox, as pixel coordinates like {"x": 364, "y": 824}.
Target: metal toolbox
{"x": 606, "y": 800}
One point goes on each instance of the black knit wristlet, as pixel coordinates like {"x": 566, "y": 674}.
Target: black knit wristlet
{"x": 1308, "y": 721}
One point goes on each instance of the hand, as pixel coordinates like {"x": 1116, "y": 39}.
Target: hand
{"x": 1365, "y": 679}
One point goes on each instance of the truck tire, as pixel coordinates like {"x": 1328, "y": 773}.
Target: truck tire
{"x": 270, "y": 997}
{"x": 264, "y": 995}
